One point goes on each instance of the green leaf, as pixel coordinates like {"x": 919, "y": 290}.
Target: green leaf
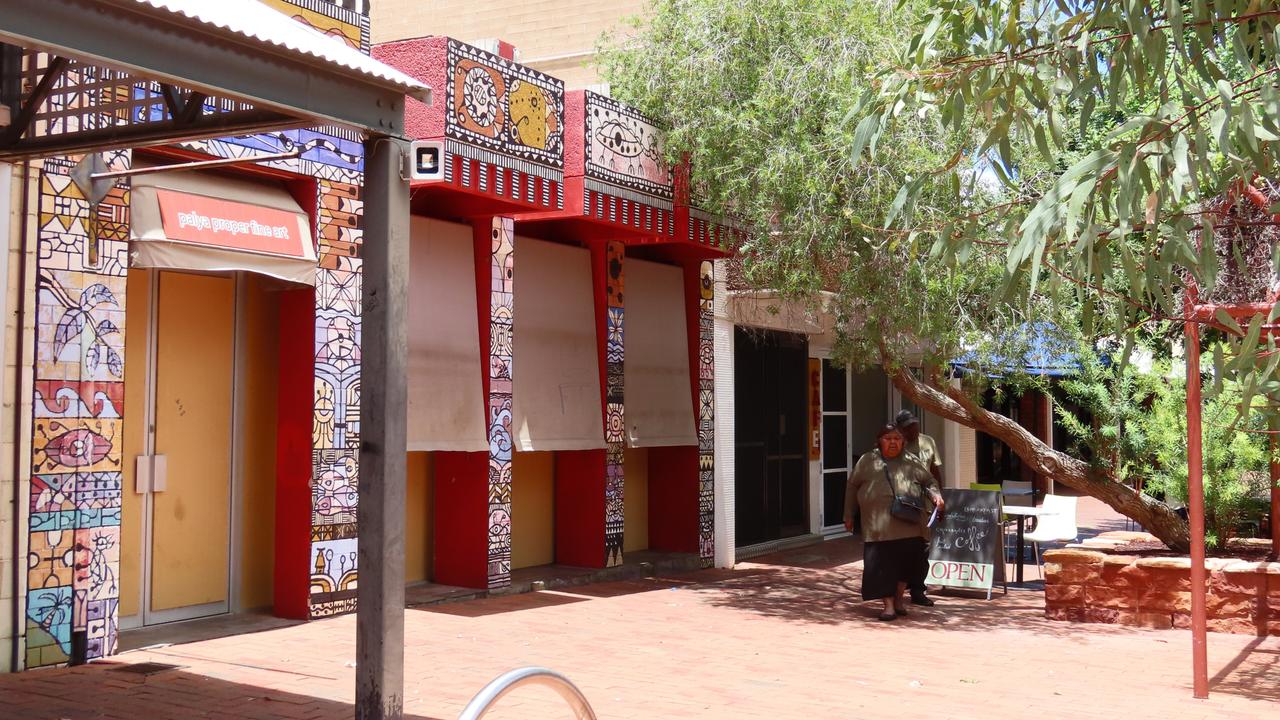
{"x": 867, "y": 127}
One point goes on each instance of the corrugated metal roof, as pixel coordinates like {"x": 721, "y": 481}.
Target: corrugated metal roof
{"x": 254, "y": 21}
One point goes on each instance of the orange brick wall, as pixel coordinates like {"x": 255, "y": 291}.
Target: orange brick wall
{"x": 1091, "y": 586}
{"x": 541, "y": 29}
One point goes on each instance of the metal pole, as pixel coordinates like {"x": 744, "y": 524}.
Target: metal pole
{"x": 380, "y": 608}
{"x": 1195, "y": 511}
{"x": 1274, "y": 425}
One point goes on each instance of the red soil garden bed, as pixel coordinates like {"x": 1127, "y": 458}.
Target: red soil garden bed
{"x": 1125, "y": 578}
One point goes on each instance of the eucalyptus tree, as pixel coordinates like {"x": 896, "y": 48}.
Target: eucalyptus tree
{"x": 960, "y": 171}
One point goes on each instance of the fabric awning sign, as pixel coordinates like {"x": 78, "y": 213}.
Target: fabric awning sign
{"x": 206, "y": 222}
{"x": 446, "y": 397}
{"x": 658, "y": 390}
{"x": 556, "y": 369}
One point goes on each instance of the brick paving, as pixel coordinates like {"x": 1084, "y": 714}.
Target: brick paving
{"x": 779, "y": 637}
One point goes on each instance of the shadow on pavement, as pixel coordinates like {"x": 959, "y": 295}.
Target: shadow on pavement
{"x": 102, "y": 690}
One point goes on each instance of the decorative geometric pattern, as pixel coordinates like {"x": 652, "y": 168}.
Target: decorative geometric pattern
{"x": 330, "y": 18}
{"x": 73, "y": 559}
{"x": 615, "y": 435}
{"x": 712, "y": 231}
{"x": 336, "y": 419}
{"x": 706, "y": 417}
{"x": 506, "y": 108}
{"x": 624, "y": 148}
{"x": 487, "y": 172}
{"x": 501, "y": 335}
{"x": 73, "y": 549}
{"x": 624, "y": 207}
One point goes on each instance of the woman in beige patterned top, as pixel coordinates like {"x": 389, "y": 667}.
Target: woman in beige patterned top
{"x": 894, "y": 550}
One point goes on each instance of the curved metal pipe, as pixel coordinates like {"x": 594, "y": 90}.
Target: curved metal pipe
{"x": 505, "y": 683}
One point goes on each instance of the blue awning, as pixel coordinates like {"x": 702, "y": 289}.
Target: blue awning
{"x": 1047, "y": 352}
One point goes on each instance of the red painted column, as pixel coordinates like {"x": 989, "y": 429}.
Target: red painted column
{"x": 681, "y": 509}
{"x": 295, "y": 399}
{"x": 473, "y": 490}
{"x": 579, "y": 503}
{"x": 588, "y": 489}
{"x": 460, "y": 531}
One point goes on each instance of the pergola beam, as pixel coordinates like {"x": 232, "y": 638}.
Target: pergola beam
{"x": 15, "y": 131}
{"x": 153, "y": 133}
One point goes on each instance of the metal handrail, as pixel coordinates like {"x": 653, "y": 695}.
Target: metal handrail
{"x": 505, "y": 683}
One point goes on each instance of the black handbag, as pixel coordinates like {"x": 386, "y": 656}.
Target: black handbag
{"x": 907, "y": 509}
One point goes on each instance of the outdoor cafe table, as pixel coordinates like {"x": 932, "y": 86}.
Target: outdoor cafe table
{"x": 1022, "y": 513}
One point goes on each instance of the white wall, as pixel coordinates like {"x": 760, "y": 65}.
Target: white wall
{"x": 725, "y": 530}
{"x": 8, "y": 484}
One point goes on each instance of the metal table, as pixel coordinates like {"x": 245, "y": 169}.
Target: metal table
{"x": 1022, "y": 512}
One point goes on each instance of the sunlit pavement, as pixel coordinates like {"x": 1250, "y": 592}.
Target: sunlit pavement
{"x": 779, "y": 637}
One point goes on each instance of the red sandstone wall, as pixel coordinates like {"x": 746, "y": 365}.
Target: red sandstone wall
{"x": 1092, "y": 586}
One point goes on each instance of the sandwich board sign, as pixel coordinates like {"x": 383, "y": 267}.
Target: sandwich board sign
{"x": 968, "y": 544}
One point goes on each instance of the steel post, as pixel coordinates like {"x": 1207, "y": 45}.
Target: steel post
{"x": 380, "y": 599}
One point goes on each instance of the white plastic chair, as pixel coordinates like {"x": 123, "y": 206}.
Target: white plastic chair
{"x": 1057, "y": 525}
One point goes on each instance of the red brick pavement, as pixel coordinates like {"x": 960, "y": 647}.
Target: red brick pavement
{"x": 776, "y": 638}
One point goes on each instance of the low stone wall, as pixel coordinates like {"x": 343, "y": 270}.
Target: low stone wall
{"x": 1094, "y": 583}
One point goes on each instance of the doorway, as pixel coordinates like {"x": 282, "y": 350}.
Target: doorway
{"x": 179, "y": 405}
{"x": 771, "y": 435}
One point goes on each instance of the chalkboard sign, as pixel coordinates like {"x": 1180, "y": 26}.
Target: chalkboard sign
{"x": 967, "y": 549}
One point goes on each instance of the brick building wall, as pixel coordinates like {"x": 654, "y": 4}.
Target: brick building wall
{"x": 557, "y": 37}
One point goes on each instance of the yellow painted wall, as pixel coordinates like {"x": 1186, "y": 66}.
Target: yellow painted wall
{"x": 418, "y": 518}
{"x": 259, "y": 374}
{"x": 533, "y": 526}
{"x": 635, "y": 500}
{"x": 137, "y": 305}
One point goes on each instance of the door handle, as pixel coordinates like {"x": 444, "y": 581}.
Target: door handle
{"x": 150, "y": 474}
{"x": 159, "y": 473}
{"x": 141, "y": 474}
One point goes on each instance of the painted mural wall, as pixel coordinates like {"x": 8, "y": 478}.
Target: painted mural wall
{"x": 75, "y": 485}
{"x": 509, "y": 120}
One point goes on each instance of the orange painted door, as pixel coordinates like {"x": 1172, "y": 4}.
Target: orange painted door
{"x": 191, "y": 491}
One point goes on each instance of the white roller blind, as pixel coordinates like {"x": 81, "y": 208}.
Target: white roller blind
{"x": 658, "y": 394}
{"x": 556, "y": 370}
{"x": 446, "y": 399}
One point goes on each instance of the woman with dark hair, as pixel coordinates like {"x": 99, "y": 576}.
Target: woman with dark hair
{"x": 893, "y": 495}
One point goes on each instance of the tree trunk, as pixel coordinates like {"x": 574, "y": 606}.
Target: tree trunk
{"x": 953, "y": 404}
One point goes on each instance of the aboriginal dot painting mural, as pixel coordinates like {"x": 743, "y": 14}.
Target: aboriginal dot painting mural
{"x": 75, "y": 481}
{"x": 615, "y": 435}
{"x": 501, "y": 335}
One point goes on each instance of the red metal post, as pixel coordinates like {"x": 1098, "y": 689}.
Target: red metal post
{"x": 1275, "y": 492}
{"x": 1195, "y": 509}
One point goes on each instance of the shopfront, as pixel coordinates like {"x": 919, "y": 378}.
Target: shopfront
{"x": 482, "y": 451}
{"x": 211, "y": 257}
{"x": 193, "y": 428}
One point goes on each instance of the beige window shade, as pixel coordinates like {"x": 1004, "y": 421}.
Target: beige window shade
{"x": 658, "y": 391}
{"x": 162, "y": 237}
{"x": 556, "y": 370}
{"x": 446, "y": 397}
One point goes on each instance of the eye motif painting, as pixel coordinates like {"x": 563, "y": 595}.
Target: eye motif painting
{"x": 73, "y": 448}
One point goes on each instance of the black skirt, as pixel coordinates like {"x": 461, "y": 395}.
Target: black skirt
{"x": 889, "y": 562}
